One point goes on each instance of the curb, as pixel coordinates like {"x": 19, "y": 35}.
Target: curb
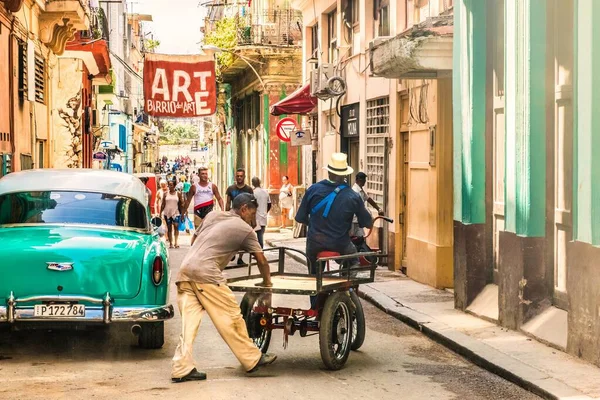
{"x": 480, "y": 354}
{"x": 475, "y": 351}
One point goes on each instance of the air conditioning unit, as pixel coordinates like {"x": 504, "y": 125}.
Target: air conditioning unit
{"x": 325, "y": 84}
{"x": 319, "y": 77}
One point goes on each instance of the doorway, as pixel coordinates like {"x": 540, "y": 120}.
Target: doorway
{"x": 353, "y": 157}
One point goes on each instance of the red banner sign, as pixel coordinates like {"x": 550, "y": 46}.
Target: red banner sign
{"x": 179, "y": 86}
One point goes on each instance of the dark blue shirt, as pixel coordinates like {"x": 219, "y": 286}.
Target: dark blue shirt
{"x": 335, "y": 229}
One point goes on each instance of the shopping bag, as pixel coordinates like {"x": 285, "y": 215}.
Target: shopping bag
{"x": 189, "y": 224}
{"x": 182, "y": 224}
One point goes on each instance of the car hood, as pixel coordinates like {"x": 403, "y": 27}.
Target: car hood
{"x": 102, "y": 260}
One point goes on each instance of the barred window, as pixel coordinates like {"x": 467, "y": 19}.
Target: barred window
{"x": 40, "y": 79}
{"x": 378, "y": 126}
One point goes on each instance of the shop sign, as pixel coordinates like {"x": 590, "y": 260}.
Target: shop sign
{"x": 179, "y": 85}
{"x": 301, "y": 137}
{"x": 350, "y": 120}
{"x": 99, "y": 155}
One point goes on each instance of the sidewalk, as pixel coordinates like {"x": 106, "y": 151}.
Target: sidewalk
{"x": 512, "y": 355}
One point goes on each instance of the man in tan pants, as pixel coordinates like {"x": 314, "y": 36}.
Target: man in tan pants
{"x": 202, "y": 286}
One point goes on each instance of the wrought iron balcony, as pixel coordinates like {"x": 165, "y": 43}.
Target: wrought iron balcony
{"x": 280, "y": 27}
{"x": 98, "y": 25}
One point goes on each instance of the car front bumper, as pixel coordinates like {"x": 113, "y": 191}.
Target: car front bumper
{"x": 103, "y": 312}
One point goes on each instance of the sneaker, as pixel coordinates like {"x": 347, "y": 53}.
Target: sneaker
{"x": 265, "y": 359}
{"x": 194, "y": 375}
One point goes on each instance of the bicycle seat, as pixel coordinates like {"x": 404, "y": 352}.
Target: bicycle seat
{"x": 326, "y": 253}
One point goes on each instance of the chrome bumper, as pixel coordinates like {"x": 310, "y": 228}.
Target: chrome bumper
{"x": 105, "y": 312}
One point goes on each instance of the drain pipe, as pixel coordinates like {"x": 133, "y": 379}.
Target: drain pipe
{"x": 11, "y": 87}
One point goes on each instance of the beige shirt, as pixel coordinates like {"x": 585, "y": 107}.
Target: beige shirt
{"x": 220, "y": 236}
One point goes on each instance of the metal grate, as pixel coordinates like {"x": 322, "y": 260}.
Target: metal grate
{"x": 271, "y": 28}
{"x": 378, "y": 125}
{"x": 40, "y": 79}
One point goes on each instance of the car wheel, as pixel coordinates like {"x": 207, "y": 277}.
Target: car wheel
{"x": 152, "y": 335}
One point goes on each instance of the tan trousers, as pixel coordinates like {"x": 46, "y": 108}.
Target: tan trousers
{"x": 222, "y": 308}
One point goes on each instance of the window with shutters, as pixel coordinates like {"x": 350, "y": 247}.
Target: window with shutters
{"x": 378, "y": 126}
{"x": 384, "y": 19}
{"x": 332, "y": 36}
{"x": 40, "y": 79}
{"x": 22, "y": 45}
{"x": 26, "y": 162}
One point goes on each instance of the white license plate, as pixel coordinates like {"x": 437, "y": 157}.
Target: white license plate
{"x": 59, "y": 310}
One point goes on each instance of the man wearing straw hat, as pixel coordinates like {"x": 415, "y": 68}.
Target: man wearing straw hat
{"x": 328, "y": 208}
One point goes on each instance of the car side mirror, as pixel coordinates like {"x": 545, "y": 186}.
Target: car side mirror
{"x": 157, "y": 222}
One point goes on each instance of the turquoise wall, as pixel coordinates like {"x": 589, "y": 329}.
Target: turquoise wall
{"x": 469, "y": 81}
{"x": 525, "y": 91}
{"x": 586, "y": 198}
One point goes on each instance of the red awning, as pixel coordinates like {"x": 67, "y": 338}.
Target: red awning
{"x": 299, "y": 102}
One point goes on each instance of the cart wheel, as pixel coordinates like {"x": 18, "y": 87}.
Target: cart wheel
{"x": 259, "y": 335}
{"x": 358, "y": 322}
{"x": 335, "y": 330}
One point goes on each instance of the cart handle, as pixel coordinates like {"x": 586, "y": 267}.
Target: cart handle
{"x": 386, "y": 219}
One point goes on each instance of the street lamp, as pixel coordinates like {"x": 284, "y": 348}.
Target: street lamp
{"x": 214, "y": 49}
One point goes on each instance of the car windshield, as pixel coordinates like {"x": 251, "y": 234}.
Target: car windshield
{"x": 58, "y": 207}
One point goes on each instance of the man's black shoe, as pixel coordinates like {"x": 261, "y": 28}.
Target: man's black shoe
{"x": 265, "y": 359}
{"x": 240, "y": 261}
{"x": 194, "y": 375}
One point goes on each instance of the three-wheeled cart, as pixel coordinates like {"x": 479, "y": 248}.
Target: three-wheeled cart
{"x": 337, "y": 316}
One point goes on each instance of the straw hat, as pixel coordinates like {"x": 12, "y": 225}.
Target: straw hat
{"x": 338, "y": 165}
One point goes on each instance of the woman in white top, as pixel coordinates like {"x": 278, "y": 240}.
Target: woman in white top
{"x": 285, "y": 201}
{"x": 172, "y": 210}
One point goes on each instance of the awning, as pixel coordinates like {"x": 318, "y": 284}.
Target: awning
{"x": 299, "y": 102}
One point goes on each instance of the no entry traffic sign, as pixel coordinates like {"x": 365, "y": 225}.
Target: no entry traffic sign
{"x": 285, "y": 127}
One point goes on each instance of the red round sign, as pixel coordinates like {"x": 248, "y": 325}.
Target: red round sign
{"x": 285, "y": 127}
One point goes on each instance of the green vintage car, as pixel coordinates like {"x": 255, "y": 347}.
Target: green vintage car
{"x": 79, "y": 248}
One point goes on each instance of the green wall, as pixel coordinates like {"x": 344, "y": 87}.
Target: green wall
{"x": 469, "y": 65}
{"x": 586, "y": 154}
{"x": 525, "y": 47}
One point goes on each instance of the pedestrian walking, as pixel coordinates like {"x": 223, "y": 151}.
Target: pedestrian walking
{"x": 172, "y": 211}
{"x": 203, "y": 192}
{"x": 201, "y": 286}
{"x": 264, "y": 206}
{"x": 162, "y": 190}
{"x": 358, "y": 187}
{"x": 285, "y": 200}
{"x": 238, "y": 187}
{"x": 233, "y": 191}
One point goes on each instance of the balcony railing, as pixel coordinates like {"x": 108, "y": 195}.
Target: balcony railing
{"x": 98, "y": 25}
{"x": 270, "y": 28}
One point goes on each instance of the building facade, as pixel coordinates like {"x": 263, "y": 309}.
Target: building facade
{"x": 80, "y": 69}
{"x": 32, "y": 34}
{"x": 266, "y": 66}
{"x": 394, "y": 120}
{"x": 526, "y": 197}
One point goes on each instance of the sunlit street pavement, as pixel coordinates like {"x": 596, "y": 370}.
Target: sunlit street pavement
{"x": 395, "y": 362}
